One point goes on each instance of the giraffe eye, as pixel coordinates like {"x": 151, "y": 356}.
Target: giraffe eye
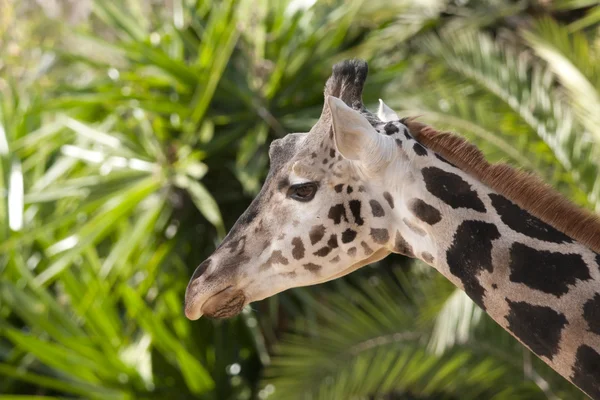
{"x": 303, "y": 191}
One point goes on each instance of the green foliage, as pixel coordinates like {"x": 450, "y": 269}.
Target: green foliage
{"x": 372, "y": 343}
{"x": 131, "y": 142}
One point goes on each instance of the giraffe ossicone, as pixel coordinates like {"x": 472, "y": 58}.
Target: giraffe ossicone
{"x": 360, "y": 186}
{"x": 385, "y": 113}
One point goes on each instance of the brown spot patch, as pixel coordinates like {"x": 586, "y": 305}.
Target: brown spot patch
{"x": 348, "y": 235}
{"x": 335, "y": 259}
{"x": 352, "y": 251}
{"x": 323, "y": 251}
{"x": 312, "y": 267}
{"x": 401, "y": 246}
{"x": 390, "y": 128}
{"x": 413, "y": 227}
{"x": 419, "y": 150}
{"x": 538, "y": 327}
{"x": 591, "y": 313}
{"x": 550, "y": 272}
{"x": 427, "y": 257}
{"x": 452, "y": 189}
{"x": 368, "y": 250}
{"x": 380, "y": 236}
{"x": 425, "y": 212}
{"x": 297, "y": 248}
{"x": 586, "y": 371}
{"x": 376, "y": 208}
{"x": 316, "y": 233}
{"x": 355, "y": 209}
{"x": 332, "y": 242}
{"x": 336, "y": 213}
{"x": 275, "y": 258}
{"x": 236, "y": 245}
{"x": 388, "y": 197}
{"x": 471, "y": 253}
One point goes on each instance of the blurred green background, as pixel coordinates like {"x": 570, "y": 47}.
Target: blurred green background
{"x": 133, "y": 133}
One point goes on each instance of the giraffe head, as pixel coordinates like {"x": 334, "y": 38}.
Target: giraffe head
{"x": 323, "y": 211}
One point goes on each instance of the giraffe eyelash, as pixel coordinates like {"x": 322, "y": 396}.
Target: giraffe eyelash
{"x": 303, "y": 192}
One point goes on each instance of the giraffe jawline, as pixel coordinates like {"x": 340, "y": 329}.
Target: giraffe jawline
{"x": 378, "y": 255}
{"x": 229, "y": 302}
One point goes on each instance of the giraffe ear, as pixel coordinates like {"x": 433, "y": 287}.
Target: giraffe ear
{"x": 354, "y": 136}
{"x": 385, "y": 113}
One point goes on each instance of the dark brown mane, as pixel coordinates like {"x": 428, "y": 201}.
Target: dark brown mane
{"x": 524, "y": 189}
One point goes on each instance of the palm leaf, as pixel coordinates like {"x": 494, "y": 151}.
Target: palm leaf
{"x": 374, "y": 348}
{"x": 529, "y": 90}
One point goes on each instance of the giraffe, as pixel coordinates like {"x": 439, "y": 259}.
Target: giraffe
{"x": 359, "y": 186}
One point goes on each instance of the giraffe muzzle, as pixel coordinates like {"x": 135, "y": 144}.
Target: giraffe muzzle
{"x": 211, "y": 293}
{"x": 225, "y": 303}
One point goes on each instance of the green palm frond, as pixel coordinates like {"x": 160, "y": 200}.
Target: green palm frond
{"x": 574, "y": 61}
{"x": 525, "y": 87}
{"x": 454, "y": 322}
{"x": 367, "y": 344}
{"x": 572, "y": 4}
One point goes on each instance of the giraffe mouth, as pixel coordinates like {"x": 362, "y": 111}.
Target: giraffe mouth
{"x": 224, "y": 304}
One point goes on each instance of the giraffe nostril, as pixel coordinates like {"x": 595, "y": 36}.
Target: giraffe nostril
{"x": 201, "y": 269}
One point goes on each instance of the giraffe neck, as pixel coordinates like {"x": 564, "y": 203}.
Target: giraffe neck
{"x": 533, "y": 280}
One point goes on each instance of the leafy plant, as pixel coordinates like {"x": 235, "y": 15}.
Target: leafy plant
{"x": 379, "y": 346}
{"x": 130, "y": 143}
